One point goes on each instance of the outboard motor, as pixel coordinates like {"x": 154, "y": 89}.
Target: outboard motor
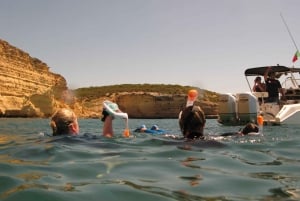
{"x": 227, "y": 109}
{"x": 247, "y": 108}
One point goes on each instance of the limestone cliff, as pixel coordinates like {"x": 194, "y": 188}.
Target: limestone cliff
{"x": 27, "y": 87}
{"x": 155, "y": 105}
{"x": 147, "y": 105}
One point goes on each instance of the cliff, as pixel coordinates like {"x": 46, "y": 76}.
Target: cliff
{"x": 143, "y": 105}
{"x": 27, "y": 87}
{"x": 155, "y": 105}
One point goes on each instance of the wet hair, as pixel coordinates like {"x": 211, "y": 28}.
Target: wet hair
{"x": 250, "y": 128}
{"x": 61, "y": 120}
{"x": 191, "y": 122}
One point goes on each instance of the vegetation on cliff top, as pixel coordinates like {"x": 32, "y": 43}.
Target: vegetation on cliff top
{"x": 97, "y": 92}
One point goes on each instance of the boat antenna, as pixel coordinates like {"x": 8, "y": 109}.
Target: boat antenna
{"x": 289, "y": 31}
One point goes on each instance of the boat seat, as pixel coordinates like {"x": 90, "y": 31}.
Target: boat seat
{"x": 261, "y": 94}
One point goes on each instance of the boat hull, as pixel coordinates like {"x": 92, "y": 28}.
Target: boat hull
{"x": 289, "y": 114}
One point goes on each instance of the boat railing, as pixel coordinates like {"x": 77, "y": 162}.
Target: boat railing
{"x": 291, "y": 83}
{"x": 292, "y": 94}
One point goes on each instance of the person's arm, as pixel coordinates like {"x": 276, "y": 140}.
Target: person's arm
{"x": 254, "y": 87}
{"x": 107, "y": 127}
{"x": 266, "y": 73}
{"x": 110, "y": 110}
{"x": 261, "y": 87}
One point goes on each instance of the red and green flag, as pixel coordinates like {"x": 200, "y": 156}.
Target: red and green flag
{"x": 296, "y": 56}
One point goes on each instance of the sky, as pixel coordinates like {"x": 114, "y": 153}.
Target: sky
{"x": 202, "y": 43}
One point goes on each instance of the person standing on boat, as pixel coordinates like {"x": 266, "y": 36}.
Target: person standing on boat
{"x": 273, "y": 86}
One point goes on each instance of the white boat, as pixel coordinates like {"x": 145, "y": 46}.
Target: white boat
{"x": 241, "y": 108}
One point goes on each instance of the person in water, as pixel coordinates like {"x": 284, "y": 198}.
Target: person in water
{"x": 141, "y": 129}
{"x": 64, "y": 121}
{"x": 192, "y": 122}
{"x": 153, "y": 130}
{"x": 154, "y": 127}
{"x": 107, "y": 118}
{"x": 250, "y": 128}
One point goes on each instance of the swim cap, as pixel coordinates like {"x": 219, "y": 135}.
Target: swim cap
{"x": 154, "y": 127}
{"x": 143, "y": 127}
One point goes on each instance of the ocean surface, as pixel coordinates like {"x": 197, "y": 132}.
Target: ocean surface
{"x": 36, "y": 166}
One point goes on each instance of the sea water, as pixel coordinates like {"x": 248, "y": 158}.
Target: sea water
{"x": 36, "y": 166}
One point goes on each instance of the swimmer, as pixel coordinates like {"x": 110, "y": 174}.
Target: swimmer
{"x": 249, "y": 129}
{"x": 141, "y": 129}
{"x": 192, "y": 122}
{"x": 154, "y": 127}
{"x": 110, "y": 110}
{"x": 153, "y": 130}
{"x": 192, "y": 118}
{"x": 64, "y": 121}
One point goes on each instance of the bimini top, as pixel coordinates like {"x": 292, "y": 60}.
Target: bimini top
{"x": 277, "y": 69}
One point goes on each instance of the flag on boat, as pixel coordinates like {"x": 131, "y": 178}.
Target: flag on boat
{"x": 296, "y": 56}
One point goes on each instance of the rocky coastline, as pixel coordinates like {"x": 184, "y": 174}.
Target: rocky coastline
{"x": 29, "y": 89}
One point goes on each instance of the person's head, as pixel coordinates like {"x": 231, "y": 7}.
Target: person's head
{"x": 257, "y": 80}
{"x": 154, "y": 127}
{"x": 192, "y": 121}
{"x": 143, "y": 127}
{"x": 250, "y": 128}
{"x": 272, "y": 75}
{"x": 64, "y": 121}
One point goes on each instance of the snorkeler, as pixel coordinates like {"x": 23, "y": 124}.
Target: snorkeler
{"x": 192, "y": 121}
{"x": 141, "y": 129}
{"x": 192, "y": 118}
{"x": 153, "y": 130}
{"x": 249, "y": 129}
